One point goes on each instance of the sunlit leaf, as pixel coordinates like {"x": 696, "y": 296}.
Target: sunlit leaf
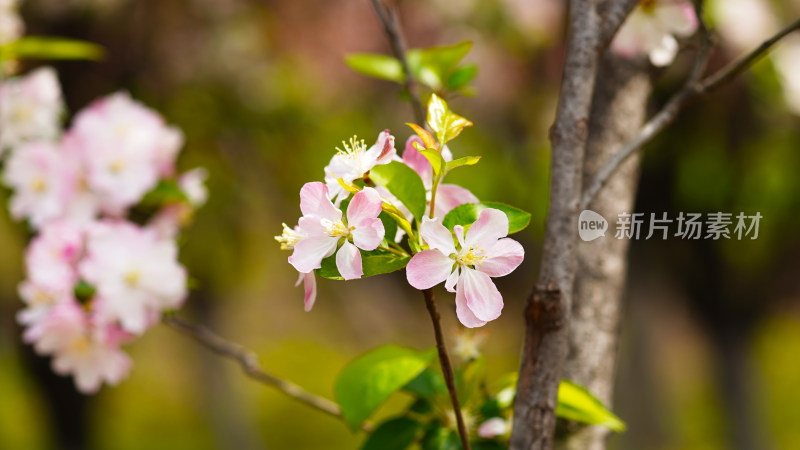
{"x": 367, "y": 381}
{"x": 426, "y": 137}
{"x": 394, "y": 434}
{"x": 377, "y": 66}
{"x": 465, "y": 161}
{"x": 435, "y": 158}
{"x": 468, "y": 213}
{"x": 45, "y": 47}
{"x": 444, "y": 122}
{"x": 575, "y": 402}
{"x": 403, "y": 183}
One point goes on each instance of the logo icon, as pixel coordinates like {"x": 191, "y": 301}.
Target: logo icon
{"x": 591, "y": 225}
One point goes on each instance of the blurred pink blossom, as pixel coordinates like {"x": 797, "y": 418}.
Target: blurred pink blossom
{"x": 31, "y": 107}
{"x": 651, "y": 29}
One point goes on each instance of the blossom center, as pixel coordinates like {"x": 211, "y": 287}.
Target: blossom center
{"x": 337, "y": 228}
{"x": 132, "y": 278}
{"x": 472, "y": 256}
{"x": 38, "y": 185}
{"x": 289, "y": 238}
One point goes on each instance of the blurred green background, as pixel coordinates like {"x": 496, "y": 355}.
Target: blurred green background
{"x": 261, "y": 91}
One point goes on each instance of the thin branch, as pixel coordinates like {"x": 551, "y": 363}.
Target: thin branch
{"x": 447, "y": 367}
{"x": 388, "y": 18}
{"x": 248, "y": 361}
{"x": 693, "y": 89}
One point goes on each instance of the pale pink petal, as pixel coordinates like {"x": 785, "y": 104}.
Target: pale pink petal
{"x": 493, "y": 427}
{"x": 458, "y": 230}
{"x": 679, "y": 18}
{"x": 428, "y": 268}
{"x": 492, "y": 224}
{"x": 368, "y": 234}
{"x": 448, "y": 196}
{"x": 483, "y": 298}
{"x": 314, "y": 201}
{"x": 366, "y": 204}
{"x": 383, "y": 152}
{"x": 664, "y": 53}
{"x": 414, "y": 159}
{"x": 437, "y": 236}
{"x": 309, "y": 253}
{"x": 348, "y": 261}
{"x": 452, "y": 280}
{"x": 310, "y": 286}
{"x": 502, "y": 258}
{"x": 464, "y": 314}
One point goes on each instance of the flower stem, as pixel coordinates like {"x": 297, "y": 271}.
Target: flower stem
{"x": 447, "y": 367}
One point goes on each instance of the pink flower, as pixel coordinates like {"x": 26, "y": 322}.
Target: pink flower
{"x": 126, "y": 148}
{"x": 448, "y": 196}
{"x": 50, "y": 262}
{"x": 32, "y": 107}
{"x": 651, "y": 29}
{"x": 41, "y": 180}
{"x": 492, "y": 428}
{"x": 136, "y": 274}
{"x": 79, "y": 347}
{"x": 288, "y": 239}
{"x": 326, "y": 228}
{"x": 483, "y": 253}
{"x": 356, "y": 160}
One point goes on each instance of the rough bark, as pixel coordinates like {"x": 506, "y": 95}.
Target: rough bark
{"x": 618, "y": 111}
{"x": 548, "y": 307}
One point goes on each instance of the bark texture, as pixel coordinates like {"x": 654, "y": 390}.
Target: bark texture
{"x": 548, "y": 307}
{"x": 618, "y": 110}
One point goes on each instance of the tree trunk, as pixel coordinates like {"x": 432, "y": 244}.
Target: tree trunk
{"x": 619, "y": 109}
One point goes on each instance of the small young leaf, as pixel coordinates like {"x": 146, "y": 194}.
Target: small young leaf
{"x": 468, "y": 213}
{"x": 435, "y": 158}
{"x": 367, "y": 381}
{"x": 423, "y": 134}
{"x": 394, "y": 434}
{"x": 376, "y": 262}
{"x": 576, "y": 403}
{"x": 442, "y": 60}
{"x": 377, "y": 66}
{"x": 444, "y": 122}
{"x": 403, "y": 183}
{"x": 45, "y": 47}
{"x": 465, "y": 161}
{"x": 461, "y": 76}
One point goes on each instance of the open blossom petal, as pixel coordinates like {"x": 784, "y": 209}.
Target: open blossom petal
{"x": 448, "y": 196}
{"x": 502, "y": 258}
{"x": 310, "y": 287}
{"x": 493, "y": 427}
{"x": 679, "y": 17}
{"x": 368, "y": 234}
{"x": 463, "y": 312}
{"x": 483, "y": 298}
{"x": 366, "y": 204}
{"x": 309, "y": 253}
{"x": 492, "y": 224}
{"x": 428, "y": 268}
{"x": 651, "y": 29}
{"x": 437, "y": 236}
{"x": 314, "y": 201}
{"x": 383, "y": 151}
{"x": 348, "y": 261}
{"x": 32, "y": 107}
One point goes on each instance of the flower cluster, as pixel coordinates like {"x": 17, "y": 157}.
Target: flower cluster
{"x": 95, "y": 278}
{"x": 400, "y": 214}
{"x": 651, "y": 28}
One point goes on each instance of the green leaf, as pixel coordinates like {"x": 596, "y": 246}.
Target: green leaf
{"x": 444, "y": 122}
{"x": 367, "y": 381}
{"x": 377, "y": 66}
{"x": 389, "y": 226}
{"x": 83, "y": 291}
{"x": 45, "y": 47}
{"x": 462, "y": 76}
{"x": 427, "y": 384}
{"x": 468, "y": 213}
{"x": 166, "y": 192}
{"x": 394, "y": 434}
{"x": 437, "y": 64}
{"x": 576, "y": 403}
{"x": 403, "y": 183}
{"x": 470, "y": 380}
{"x": 465, "y": 161}
{"x": 435, "y": 158}
{"x": 375, "y": 262}
{"x": 440, "y": 438}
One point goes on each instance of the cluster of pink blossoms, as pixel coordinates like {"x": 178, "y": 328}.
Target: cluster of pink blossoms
{"x": 95, "y": 279}
{"x": 433, "y": 254}
{"x": 651, "y": 28}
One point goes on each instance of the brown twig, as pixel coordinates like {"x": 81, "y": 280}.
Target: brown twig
{"x": 248, "y": 361}
{"x": 691, "y": 90}
{"x": 388, "y": 18}
{"x": 447, "y": 367}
